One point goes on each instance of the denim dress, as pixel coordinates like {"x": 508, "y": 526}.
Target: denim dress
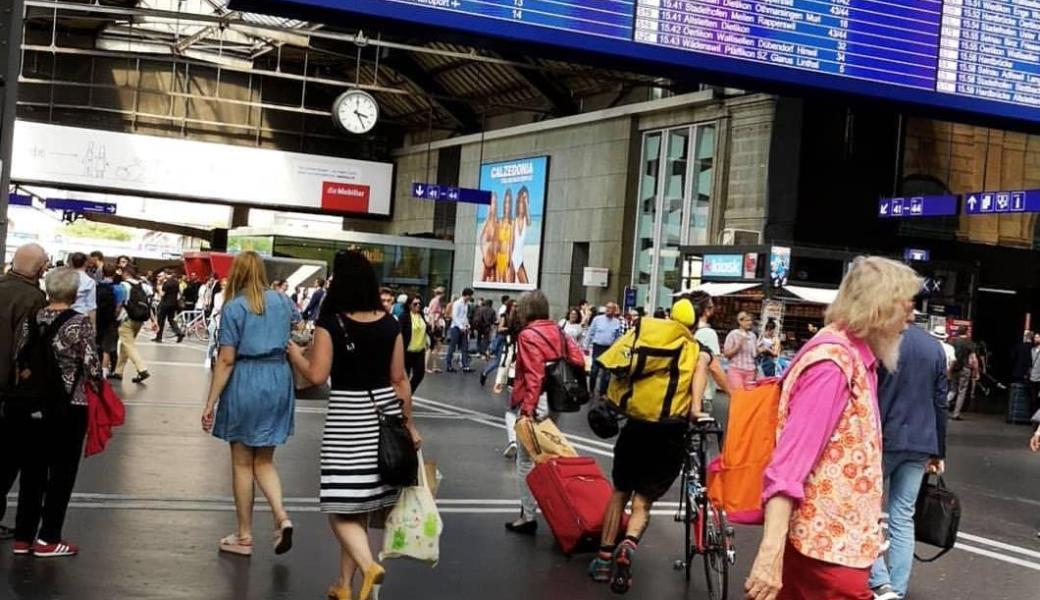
{"x": 257, "y": 405}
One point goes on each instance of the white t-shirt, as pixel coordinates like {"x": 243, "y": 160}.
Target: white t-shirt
{"x": 710, "y": 338}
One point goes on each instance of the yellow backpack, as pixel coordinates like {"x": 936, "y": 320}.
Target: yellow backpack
{"x": 652, "y": 367}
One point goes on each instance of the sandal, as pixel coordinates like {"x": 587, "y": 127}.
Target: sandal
{"x": 232, "y": 544}
{"x": 283, "y": 537}
{"x": 338, "y": 593}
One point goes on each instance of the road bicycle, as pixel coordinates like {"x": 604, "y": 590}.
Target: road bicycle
{"x": 708, "y": 532}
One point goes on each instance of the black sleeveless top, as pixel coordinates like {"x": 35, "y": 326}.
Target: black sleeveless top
{"x": 367, "y": 366}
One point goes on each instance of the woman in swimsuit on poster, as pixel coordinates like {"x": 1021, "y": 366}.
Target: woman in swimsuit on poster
{"x": 503, "y": 268}
{"x": 523, "y": 220}
{"x": 489, "y": 240}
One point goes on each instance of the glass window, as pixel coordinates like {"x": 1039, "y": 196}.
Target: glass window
{"x": 703, "y": 178}
{"x": 675, "y": 192}
{"x": 646, "y": 222}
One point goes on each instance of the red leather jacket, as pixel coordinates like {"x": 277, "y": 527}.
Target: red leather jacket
{"x": 538, "y": 343}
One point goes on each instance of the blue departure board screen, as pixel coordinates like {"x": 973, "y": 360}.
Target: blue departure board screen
{"x": 971, "y": 56}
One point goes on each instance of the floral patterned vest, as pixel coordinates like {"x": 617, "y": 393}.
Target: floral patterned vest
{"x": 838, "y": 522}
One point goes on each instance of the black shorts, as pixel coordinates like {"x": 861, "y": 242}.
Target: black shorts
{"x": 108, "y": 340}
{"x": 648, "y": 457}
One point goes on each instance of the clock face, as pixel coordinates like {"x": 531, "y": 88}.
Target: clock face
{"x": 356, "y": 111}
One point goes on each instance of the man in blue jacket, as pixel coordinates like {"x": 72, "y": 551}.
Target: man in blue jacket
{"x": 913, "y": 418}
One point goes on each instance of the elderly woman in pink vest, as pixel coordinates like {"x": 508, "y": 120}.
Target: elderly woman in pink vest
{"x": 824, "y": 486}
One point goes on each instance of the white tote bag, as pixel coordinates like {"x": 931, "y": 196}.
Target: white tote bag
{"x": 413, "y": 528}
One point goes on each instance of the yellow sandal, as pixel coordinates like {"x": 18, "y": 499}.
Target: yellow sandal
{"x": 338, "y": 593}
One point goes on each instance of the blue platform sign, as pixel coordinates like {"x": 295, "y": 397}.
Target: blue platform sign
{"x": 79, "y": 206}
{"x": 447, "y": 193}
{"x": 917, "y": 206}
{"x": 1001, "y": 202}
{"x": 19, "y": 200}
{"x": 916, "y": 255}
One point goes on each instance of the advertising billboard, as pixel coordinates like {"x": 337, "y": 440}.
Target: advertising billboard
{"x": 723, "y": 266}
{"x": 509, "y": 230}
{"x": 110, "y": 161}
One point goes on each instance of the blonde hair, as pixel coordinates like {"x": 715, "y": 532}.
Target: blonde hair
{"x": 869, "y": 301}
{"x": 247, "y": 278}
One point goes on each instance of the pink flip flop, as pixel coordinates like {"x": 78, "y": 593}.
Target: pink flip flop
{"x": 233, "y": 544}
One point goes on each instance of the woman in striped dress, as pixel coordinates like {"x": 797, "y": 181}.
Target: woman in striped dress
{"x": 359, "y": 344}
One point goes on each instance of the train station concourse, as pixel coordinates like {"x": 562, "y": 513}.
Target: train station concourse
{"x": 221, "y": 189}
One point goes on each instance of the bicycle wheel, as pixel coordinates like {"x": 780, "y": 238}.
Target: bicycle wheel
{"x": 716, "y": 557}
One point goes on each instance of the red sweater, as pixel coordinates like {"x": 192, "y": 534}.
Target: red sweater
{"x": 539, "y": 343}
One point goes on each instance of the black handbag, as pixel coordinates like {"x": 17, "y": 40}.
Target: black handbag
{"x": 398, "y": 461}
{"x": 937, "y": 517}
{"x": 566, "y": 386}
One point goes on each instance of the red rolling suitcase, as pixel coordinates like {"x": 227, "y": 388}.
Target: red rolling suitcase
{"x": 572, "y": 494}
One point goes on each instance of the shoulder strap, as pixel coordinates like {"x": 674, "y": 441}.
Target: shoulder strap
{"x": 562, "y": 354}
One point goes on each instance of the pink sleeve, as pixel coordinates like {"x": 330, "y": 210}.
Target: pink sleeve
{"x": 817, "y": 402}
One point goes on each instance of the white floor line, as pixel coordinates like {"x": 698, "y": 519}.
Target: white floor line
{"x": 172, "y": 343}
{"x": 570, "y": 436}
{"x": 998, "y": 556}
{"x": 430, "y": 413}
{"x": 994, "y": 543}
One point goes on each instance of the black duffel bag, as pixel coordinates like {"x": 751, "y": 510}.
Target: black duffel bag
{"x": 937, "y": 517}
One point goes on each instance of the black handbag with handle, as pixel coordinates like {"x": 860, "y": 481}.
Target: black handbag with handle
{"x": 565, "y": 385}
{"x": 937, "y": 517}
{"x": 398, "y": 461}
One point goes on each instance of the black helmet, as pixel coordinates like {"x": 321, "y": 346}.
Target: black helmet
{"x": 603, "y": 420}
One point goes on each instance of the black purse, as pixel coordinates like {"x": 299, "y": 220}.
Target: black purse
{"x": 398, "y": 460}
{"x": 565, "y": 385}
{"x": 937, "y": 517}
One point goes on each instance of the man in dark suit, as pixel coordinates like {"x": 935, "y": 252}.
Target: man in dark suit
{"x": 20, "y": 297}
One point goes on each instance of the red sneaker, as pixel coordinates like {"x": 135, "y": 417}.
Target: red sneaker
{"x": 62, "y": 548}
{"x": 22, "y": 547}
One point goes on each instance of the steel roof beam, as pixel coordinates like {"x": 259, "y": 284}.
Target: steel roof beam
{"x": 558, "y": 95}
{"x": 461, "y": 112}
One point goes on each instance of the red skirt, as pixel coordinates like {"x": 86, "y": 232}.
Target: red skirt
{"x": 810, "y": 579}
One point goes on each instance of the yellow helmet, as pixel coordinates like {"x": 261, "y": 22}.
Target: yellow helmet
{"x": 682, "y": 311}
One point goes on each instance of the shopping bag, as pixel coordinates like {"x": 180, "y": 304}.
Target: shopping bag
{"x": 433, "y": 476}
{"x": 543, "y": 440}
{"x": 413, "y": 528}
{"x": 937, "y": 516}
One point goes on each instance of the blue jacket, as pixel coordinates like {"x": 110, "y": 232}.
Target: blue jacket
{"x": 913, "y": 399}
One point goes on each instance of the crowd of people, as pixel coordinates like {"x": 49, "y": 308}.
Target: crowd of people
{"x": 863, "y": 406}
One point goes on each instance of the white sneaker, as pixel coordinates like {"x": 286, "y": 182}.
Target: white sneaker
{"x": 885, "y": 592}
{"x": 510, "y": 451}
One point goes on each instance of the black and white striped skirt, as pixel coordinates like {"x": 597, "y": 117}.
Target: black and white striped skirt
{"x": 350, "y": 482}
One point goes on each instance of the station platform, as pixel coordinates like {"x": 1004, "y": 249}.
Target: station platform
{"x": 148, "y": 512}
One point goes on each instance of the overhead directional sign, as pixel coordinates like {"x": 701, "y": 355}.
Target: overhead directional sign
{"x": 971, "y": 56}
{"x": 447, "y": 193}
{"x": 1002, "y": 202}
{"x": 917, "y": 206}
{"x": 79, "y": 206}
{"x": 19, "y": 200}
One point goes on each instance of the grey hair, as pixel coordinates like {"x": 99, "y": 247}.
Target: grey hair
{"x": 62, "y": 285}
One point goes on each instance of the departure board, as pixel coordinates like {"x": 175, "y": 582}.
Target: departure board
{"x": 969, "y": 56}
